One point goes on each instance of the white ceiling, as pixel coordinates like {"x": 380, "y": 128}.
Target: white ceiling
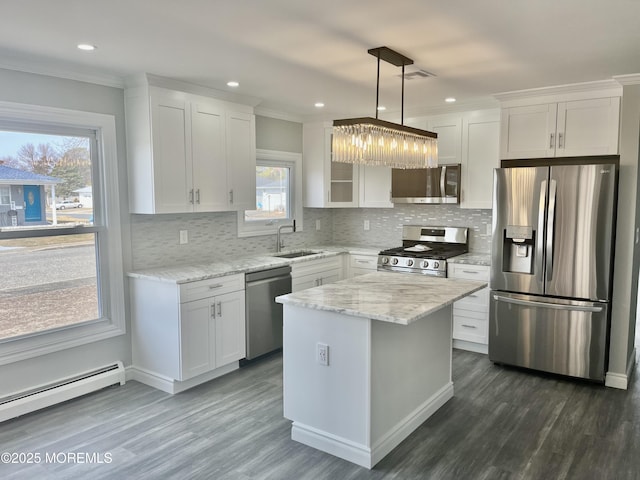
{"x": 293, "y": 53}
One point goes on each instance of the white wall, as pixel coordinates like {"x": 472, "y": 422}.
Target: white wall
{"x": 35, "y": 89}
{"x": 627, "y": 262}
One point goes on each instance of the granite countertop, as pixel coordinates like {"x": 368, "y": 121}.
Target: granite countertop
{"x": 253, "y": 263}
{"x": 472, "y": 259}
{"x": 386, "y": 296}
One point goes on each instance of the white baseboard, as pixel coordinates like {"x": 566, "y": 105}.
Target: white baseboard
{"x": 619, "y": 380}
{"x": 471, "y": 346}
{"x": 407, "y": 425}
{"x": 362, "y": 454}
{"x": 173, "y": 386}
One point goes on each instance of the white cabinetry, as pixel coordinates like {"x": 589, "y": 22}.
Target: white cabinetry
{"x": 330, "y": 184}
{"x": 188, "y": 153}
{"x": 180, "y": 332}
{"x": 314, "y": 273}
{"x": 471, "y": 314}
{"x": 360, "y": 264}
{"x": 480, "y": 155}
{"x": 561, "y": 129}
{"x": 471, "y": 139}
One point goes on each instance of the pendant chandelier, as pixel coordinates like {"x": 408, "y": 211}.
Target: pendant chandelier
{"x": 371, "y": 141}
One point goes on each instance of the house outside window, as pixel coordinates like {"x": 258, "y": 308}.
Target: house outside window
{"x": 278, "y": 197}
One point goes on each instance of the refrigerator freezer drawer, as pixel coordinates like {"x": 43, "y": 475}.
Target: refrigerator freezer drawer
{"x": 543, "y": 333}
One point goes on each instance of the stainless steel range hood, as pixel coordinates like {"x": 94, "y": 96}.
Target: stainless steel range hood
{"x": 426, "y": 185}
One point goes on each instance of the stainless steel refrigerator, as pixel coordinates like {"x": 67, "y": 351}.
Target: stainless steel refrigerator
{"x": 552, "y": 264}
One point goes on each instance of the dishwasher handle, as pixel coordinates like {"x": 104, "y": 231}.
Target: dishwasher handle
{"x": 267, "y": 280}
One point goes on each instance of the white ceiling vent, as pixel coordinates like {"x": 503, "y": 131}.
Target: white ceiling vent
{"x": 411, "y": 74}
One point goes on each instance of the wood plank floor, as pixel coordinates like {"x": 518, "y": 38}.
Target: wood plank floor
{"x": 501, "y": 424}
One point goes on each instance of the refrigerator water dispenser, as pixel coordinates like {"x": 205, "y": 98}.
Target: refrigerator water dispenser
{"x": 518, "y": 251}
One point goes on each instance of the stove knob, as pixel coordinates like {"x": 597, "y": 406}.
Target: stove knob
{"x": 409, "y": 262}
{"x": 394, "y": 261}
{"x": 385, "y": 260}
{"x": 425, "y": 263}
{"x": 436, "y": 265}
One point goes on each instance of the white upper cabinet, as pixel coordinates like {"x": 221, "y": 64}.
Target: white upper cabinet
{"x": 561, "y": 129}
{"x": 188, "y": 153}
{"x": 449, "y": 130}
{"x": 480, "y": 155}
{"x": 326, "y": 183}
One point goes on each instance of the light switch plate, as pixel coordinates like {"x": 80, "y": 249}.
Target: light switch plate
{"x": 184, "y": 237}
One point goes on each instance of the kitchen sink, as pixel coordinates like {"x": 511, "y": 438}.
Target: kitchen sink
{"x": 303, "y": 253}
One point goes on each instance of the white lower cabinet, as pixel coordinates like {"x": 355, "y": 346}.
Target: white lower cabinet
{"x": 184, "y": 331}
{"x": 314, "y": 273}
{"x": 471, "y": 314}
{"x": 360, "y": 264}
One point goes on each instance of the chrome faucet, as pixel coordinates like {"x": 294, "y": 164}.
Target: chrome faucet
{"x": 280, "y": 243}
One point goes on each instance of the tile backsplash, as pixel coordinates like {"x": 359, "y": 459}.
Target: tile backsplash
{"x": 213, "y": 236}
{"x": 385, "y": 225}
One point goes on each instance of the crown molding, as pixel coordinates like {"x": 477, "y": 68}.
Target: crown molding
{"x": 600, "y": 88}
{"x": 631, "y": 79}
{"x": 51, "y": 70}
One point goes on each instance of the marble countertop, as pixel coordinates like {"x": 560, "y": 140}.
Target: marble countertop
{"x": 253, "y": 263}
{"x": 385, "y": 296}
{"x": 472, "y": 259}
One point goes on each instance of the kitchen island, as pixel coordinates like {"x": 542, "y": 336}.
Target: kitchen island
{"x": 367, "y": 360}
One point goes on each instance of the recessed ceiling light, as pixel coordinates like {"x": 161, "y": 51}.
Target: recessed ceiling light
{"x": 87, "y": 47}
{"x": 233, "y": 84}
{"x": 449, "y": 99}
{"x": 318, "y": 105}
{"x": 382, "y": 108}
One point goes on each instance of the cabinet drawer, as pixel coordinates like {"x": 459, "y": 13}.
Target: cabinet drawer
{"x": 469, "y": 329}
{"x": 316, "y": 267}
{"x": 211, "y": 287}
{"x": 368, "y": 262}
{"x": 475, "y": 301}
{"x": 479, "y": 313}
{"x": 469, "y": 272}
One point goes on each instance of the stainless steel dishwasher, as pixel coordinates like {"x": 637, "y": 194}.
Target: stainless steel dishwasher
{"x": 263, "y": 314}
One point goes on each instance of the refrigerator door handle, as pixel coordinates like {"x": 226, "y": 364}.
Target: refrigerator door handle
{"x": 540, "y": 235}
{"x": 557, "y": 306}
{"x": 551, "y": 222}
{"x": 443, "y": 181}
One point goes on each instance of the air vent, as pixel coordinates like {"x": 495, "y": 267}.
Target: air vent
{"x": 417, "y": 74}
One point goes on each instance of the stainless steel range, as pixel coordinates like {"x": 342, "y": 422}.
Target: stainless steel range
{"x": 425, "y": 250}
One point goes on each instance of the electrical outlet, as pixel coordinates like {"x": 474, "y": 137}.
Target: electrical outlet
{"x": 367, "y": 225}
{"x": 318, "y": 224}
{"x": 488, "y": 229}
{"x": 322, "y": 356}
{"x": 184, "y": 237}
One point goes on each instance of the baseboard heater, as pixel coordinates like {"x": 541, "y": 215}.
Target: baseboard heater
{"x": 62, "y": 390}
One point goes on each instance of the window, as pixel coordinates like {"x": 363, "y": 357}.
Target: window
{"x": 278, "y": 181}
{"x": 61, "y": 276}
{"x": 5, "y": 195}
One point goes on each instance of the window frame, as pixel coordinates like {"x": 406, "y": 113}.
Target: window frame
{"x": 274, "y": 158}
{"x": 107, "y": 227}
{"x": 8, "y": 188}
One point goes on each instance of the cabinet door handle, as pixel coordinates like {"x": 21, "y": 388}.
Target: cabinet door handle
{"x": 213, "y": 310}
{"x": 561, "y": 140}
{"x": 231, "y": 196}
{"x": 191, "y": 196}
{"x": 472, "y": 296}
{"x": 551, "y": 142}
{"x": 219, "y": 309}
{"x": 329, "y": 196}
{"x": 198, "y": 196}
{"x": 470, "y": 271}
{"x": 213, "y": 287}
{"x": 468, "y": 326}
{"x": 320, "y": 280}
